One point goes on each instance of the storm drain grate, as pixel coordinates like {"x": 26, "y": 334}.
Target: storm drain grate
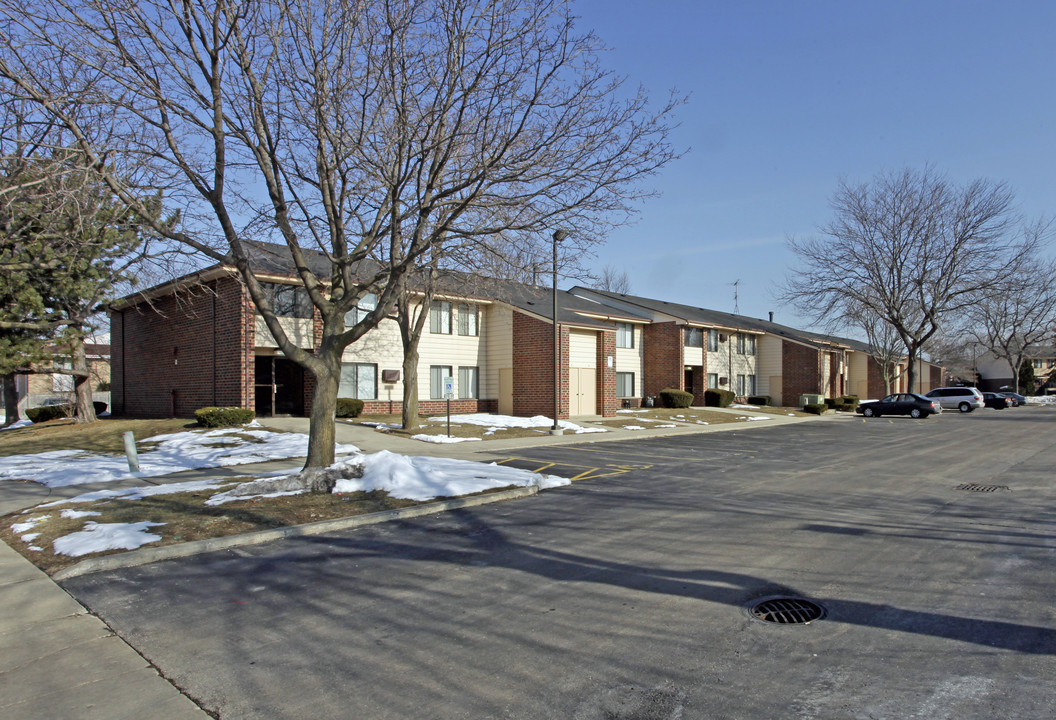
{"x": 972, "y": 487}
{"x": 786, "y": 610}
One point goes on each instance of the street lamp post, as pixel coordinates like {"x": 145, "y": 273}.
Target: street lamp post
{"x": 559, "y": 235}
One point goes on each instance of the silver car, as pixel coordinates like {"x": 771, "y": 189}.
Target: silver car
{"x": 964, "y": 399}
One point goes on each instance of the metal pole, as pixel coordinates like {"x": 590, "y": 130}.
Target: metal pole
{"x": 559, "y": 235}
{"x": 130, "y": 451}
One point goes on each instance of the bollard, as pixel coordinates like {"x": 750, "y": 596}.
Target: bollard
{"x": 130, "y": 451}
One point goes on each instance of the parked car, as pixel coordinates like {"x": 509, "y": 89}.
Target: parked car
{"x": 1017, "y": 399}
{"x": 911, "y": 404}
{"x": 997, "y": 402}
{"x": 964, "y": 399}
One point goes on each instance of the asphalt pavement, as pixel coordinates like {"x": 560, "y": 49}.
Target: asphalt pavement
{"x": 928, "y": 545}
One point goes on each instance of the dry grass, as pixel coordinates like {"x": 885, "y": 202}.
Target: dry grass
{"x": 187, "y": 518}
{"x": 102, "y": 436}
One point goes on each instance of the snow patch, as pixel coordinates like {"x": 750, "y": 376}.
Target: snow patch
{"x": 509, "y": 421}
{"x": 441, "y": 438}
{"x": 98, "y": 537}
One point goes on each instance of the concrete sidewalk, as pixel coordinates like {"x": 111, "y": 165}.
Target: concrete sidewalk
{"x": 59, "y": 661}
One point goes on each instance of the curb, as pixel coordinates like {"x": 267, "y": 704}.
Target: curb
{"x": 149, "y": 555}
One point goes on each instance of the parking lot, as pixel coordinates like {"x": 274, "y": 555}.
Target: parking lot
{"x": 928, "y": 543}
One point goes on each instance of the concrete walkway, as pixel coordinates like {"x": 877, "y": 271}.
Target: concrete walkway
{"x": 59, "y": 661}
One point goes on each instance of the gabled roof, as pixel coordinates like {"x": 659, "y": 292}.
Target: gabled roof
{"x": 718, "y": 319}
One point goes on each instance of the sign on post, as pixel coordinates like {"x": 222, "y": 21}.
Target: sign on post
{"x": 449, "y": 394}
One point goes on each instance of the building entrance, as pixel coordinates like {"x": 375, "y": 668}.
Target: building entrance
{"x": 279, "y": 386}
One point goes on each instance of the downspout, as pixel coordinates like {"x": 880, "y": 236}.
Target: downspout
{"x": 215, "y": 290}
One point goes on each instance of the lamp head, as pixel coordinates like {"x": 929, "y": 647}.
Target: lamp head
{"x": 559, "y": 235}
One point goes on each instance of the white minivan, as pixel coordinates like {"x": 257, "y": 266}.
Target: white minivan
{"x": 964, "y": 399}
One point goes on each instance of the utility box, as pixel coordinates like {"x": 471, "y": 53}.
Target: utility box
{"x": 807, "y": 399}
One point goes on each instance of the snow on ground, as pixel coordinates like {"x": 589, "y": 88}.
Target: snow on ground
{"x": 744, "y": 407}
{"x": 509, "y": 421}
{"x": 442, "y": 439}
{"x": 175, "y": 452}
{"x": 141, "y": 492}
{"x": 634, "y": 427}
{"x": 749, "y": 418}
{"x": 97, "y": 537}
{"x": 18, "y": 424}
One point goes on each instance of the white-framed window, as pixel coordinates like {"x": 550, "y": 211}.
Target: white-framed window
{"x": 694, "y": 337}
{"x": 745, "y": 344}
{"x": 746, "y": 385}
{"x": 359, "y": 380}
{"x": 364, "y": 307}
{"x": 437, "y": 373}
{"x": 468, "y": 319}
{"x": 288, "y": 300}
{"x": 440, "y": 317}
{"x": 713, "y": 340}
{"x": 1037, "y": 363}
{"x": 625, "y": 384}
{"x": 467, "y": 382}
{"x": 713, "y": 381}
{"x": 624, "y": 335}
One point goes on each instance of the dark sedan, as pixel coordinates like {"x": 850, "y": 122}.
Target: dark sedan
{"x": 997, "y": 402}
{"x": 1017, "y": 399}
{"x": 911, "y": 404}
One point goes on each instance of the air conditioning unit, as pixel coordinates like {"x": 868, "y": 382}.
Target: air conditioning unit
{"x": 723, "y": 380}
{"x": 723, "y": 337}
{"x": 809, "y": 399}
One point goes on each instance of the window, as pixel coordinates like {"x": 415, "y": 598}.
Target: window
{"x": 624, "y": 335}
{"x": 437, "y": 373}
{"x": 694, "y": 337}
{"x": 366, "y": 305}
{"x": 625, "y": 384}
{"x": 1052, "y": 362}
{"x": 1037, "y": 363}
{"x": 62, "y": 383}
{"x": 746, "y": 385}
{"x": 440, "y": 317}
{"x": 358, "y": 380}
{"x": 713, "y": 340}
{"x": 713, "y": 381}
{"x": 288, "y": 300}
{"x": 467, "y": 320}
{"x": 745, "y": 344}
{"x": 467, "y": 382}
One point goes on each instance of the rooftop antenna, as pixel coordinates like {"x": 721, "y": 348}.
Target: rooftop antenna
{"x": 736, "y": 304}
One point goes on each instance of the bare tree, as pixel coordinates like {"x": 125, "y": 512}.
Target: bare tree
{"x": 885, "y": 344}
{"x": 613, "y": 280}
{"x": 365, "y": 131}
{"x": 911, "y": 248}
{"x": 1018, "y": 315}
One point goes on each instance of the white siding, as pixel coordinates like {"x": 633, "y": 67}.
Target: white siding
{"x": 694, "y": 355}
{"x": 454, "y": 350}
{"x": 858, "y": 374}
{"x": 497, "y": 328}
{"x": 631, "y": 359}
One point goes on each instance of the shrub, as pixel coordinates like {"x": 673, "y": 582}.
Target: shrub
{"x": 815, "y": 409}
{"x": 349, "y": 407}
{"x": 718, "y": 398}
{"x": 672, "y": 398}
{"x": 831, "y": 402}
{"x": 49, "y": 412}
{"x": 850, "y": 402}
{"x": 761, "y": 400}
{"x": 212, "y": 417}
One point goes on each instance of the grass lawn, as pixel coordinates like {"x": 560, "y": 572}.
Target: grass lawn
{"x": 102, "y": 436}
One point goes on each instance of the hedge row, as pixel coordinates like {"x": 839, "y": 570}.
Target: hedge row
{"x": 54, "y": 412}
{"x": 672, "y": 398}
{"x": 761, "y": 400}
{"x": 718, "y": 398}
{"x": 212, "y": 417}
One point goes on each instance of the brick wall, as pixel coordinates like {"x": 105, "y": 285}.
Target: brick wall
{"x": 800, "y": 372}
{"x": 184, "y": 351}
{"x": 876, "y": 388}
{"x": 605, "y": 378}
{"x": 937, "y": 379}
{"x": 533, "y": 368}
{"x": 662, "y": 362}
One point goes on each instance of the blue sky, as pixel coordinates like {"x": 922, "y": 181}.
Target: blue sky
{"x": 788, "y": 97}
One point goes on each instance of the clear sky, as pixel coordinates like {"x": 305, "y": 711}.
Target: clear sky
{"x": 788, "y": 96}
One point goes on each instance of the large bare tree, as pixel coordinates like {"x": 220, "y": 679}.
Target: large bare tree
{"x": 367, "y": 131}
{"x": 911, "y": 248}
{"x": 1019, "y": 314}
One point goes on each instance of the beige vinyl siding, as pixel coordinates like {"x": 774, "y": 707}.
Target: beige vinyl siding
{"x": 582, "y": 349}
{"x": 299, "y": 330}
{"x": 382, "y": 347}
{"x": 768, "y": 363}
{"x": 496, "y": 326}
{"x": 452, "y": 350}
{"x": 631, "y": 359}
{"x": 858, "y": 375}
{"x": 694, "y": 355}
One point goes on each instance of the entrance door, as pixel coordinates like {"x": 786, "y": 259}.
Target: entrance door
{"x": 582, "y": 392}
{"x": 278, "y": 386}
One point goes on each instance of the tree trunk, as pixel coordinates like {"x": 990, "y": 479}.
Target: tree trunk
{"x": 82, "y": 386}
{"x": 321, "y": 425}
{"x": 10, "y": 399}
{"x": 410, "y": 387}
